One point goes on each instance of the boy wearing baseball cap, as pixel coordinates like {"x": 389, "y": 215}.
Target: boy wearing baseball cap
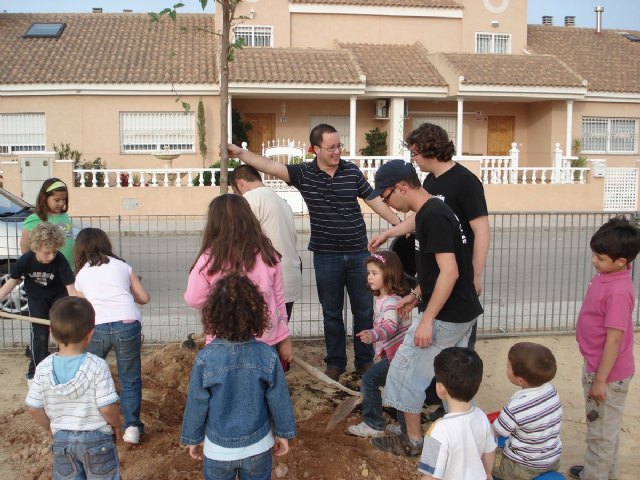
{"x": 446, "y": 291}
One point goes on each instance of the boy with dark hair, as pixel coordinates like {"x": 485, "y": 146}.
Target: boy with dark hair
{"x": 73, "y": 396}
{"x": 604, "y": 332}
{"x": 532, "y": 417}
{"x": 460, "y": 444}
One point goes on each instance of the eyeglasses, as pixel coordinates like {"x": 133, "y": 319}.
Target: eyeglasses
{"x": 385, "y": 200}
{"x": 334, "y": 148}
{"x": 413, "y": 154}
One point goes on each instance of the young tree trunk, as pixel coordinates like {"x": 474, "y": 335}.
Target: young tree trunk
{"x": 228, "y": 10}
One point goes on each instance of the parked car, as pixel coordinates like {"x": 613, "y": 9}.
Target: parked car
{"x": 13, "y": 212}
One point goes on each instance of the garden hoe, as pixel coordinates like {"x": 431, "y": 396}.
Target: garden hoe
{"x": 346, "y": 406}
{"x": 24, "y": 318}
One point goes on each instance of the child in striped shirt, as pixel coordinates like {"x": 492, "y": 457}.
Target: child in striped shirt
{"x": 73, "y": 396}
{"x": 532, "y": 417}
{"x": 385, "y": 279}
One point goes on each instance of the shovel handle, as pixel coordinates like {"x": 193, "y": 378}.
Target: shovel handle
{"x": 322, "y": 377}
{"x": 24, "y": 318}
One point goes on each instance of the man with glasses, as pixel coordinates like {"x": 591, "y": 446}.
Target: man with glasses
{"x": 459, "y": 188}
{"x": 446, "y": 293}
{"x": 331, "y": 187}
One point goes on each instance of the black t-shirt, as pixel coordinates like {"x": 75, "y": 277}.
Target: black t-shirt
{"x": 463, "y": 192}
{"x": 43, "y": 280}
{"x": 439, "y": 231}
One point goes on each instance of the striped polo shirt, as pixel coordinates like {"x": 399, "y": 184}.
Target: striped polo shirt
{"x": 337, "y": 225}
{"x": 532, "y": 420}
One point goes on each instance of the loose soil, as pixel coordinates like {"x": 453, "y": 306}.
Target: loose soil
{"x": 316, "y": 454}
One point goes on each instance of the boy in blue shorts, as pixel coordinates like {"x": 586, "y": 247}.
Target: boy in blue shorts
{"x": 72, "y": 395}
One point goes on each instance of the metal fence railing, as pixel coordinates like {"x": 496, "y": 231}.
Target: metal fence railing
{"x": 538, "y": 268}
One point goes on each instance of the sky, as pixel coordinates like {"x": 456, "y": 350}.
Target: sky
{"x": 618, "y": 14}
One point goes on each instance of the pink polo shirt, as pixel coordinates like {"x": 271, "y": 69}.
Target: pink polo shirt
{"x": 608, "y": 303}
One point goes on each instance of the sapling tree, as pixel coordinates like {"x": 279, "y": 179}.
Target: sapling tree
{"x": 227, "y": 13}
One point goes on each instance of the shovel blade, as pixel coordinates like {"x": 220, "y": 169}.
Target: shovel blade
{"x": 343, "y": 410}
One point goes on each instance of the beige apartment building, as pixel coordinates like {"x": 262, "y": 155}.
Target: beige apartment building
{"x": 108, "y": 83}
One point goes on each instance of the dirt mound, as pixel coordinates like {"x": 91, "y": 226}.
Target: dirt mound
{"x": 316, "y": 454}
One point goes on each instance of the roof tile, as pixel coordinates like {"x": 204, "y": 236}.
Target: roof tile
{"x": 294, "y": 65}
{"x": 512, "y": 70}
{"x": 396, "y": 65}
{"x": 108, "y": 48}
{"x": 385, "y": 3}
{"x": 609, "y": 61}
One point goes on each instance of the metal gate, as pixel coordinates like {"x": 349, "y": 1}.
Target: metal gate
{"x": 620, "y": 189}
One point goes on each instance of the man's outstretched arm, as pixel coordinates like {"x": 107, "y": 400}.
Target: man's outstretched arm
{"x": 260, "y": 163}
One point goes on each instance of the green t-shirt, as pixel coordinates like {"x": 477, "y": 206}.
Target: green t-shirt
{"x": 64, "y": 221}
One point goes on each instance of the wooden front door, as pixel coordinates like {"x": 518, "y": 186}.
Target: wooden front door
{"x": 263, "y": 129}
{"x": 500, "y": 135}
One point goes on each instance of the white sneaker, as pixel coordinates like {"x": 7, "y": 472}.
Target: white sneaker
{"x": 132, "y": 435}
{"x": 394, "y": 429}
{"x": 364, "y": 430}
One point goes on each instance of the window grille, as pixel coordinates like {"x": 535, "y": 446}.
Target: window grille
{"x": 448, "y": 123}
{"x": 254, "y": 35}
{"x": 493, "y": 43}
{"x": 610, "y": 135}
{"x": 340, "y": 123}
{"x": 22, "y": 132}
{"x": 149, "y": 132}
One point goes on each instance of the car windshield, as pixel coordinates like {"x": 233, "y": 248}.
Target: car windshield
{"x": 10, "y": 204}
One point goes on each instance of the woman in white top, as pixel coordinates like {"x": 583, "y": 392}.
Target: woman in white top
{"x": 113, "y": 289}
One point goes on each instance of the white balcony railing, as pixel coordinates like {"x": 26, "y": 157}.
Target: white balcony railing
{"x": 494, "y": 170}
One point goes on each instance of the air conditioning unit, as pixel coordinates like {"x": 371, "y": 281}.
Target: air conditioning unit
{"x": 382, "y": 110}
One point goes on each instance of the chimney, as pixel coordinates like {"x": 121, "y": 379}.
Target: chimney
{"x": 547, "y": 20}
{"x": 599, "y": 10}
{"x": 97, "y": 9}
{"x": 570, "y": 21}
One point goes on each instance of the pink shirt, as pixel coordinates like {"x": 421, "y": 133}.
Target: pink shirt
{"x": 388, "y": 330}
{"x": 608, "y": 303}
{"x": 267, "y": 279}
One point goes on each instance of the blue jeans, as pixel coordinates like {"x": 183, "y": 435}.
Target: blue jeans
{"x": 126, "y": 339}
{"x": 84, "y": 455}
{"x": 334, "y": 271}
{"x": 372, "y": 380}
{"x": 257, "y": 467}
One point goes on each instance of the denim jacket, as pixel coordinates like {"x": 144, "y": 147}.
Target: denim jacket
{"x": 236, "y": 391}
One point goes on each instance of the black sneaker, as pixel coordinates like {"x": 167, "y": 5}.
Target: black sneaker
{"x": 398, "y": 445}
{"x": 574, "y": 472}
{"x": 435, "y": 415}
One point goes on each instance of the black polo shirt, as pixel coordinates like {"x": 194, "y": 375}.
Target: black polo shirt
{"x": 337, "y": 225}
